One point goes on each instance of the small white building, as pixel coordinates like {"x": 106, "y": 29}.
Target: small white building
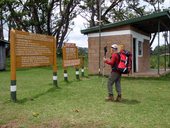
{"x": 3, "y": 54}
{"x": 134, "y": 34}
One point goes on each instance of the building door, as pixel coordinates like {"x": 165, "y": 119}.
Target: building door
{"x": 2, "y": 57}
{"x": 134, "y": 55}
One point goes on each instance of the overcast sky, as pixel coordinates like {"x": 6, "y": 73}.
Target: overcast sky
{"x": 75, "y": 36}
{"x": 81, "y": 40}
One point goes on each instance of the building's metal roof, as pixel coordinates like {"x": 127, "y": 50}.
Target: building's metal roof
{"x": 3, "y": 41}
{"x": 148, "y": 23}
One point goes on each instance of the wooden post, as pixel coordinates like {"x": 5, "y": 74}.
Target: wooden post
{"x": 82, "y": 71}
{"x": 65, "y": 75}
{"x": 82, "y": 66}
{"x": 13, "y": 66}
{"x": 77, "y": 73}
{"x": 55, "y": 66}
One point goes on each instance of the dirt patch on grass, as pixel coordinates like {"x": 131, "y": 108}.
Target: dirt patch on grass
{"x": 11, "y": 124}
{"x": 17, "y": 124}
{"x": 56, "y": 124}
{"x": 88, "y": 124}
{"x": 50, "y": 124}
{"x": 70, "y": 124}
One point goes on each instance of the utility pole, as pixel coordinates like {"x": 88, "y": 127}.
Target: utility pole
{"x": 169, "y": 50}
{"x": 165, "y": 35}
{"x": 99, "y": 34}
{"x": 158, "y": 7}
{"x": 158, "y": 54}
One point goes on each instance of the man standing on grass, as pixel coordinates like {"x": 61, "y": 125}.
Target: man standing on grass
{"x": 115, "y": 75}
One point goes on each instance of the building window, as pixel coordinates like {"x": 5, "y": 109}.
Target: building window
{"x": 140, "y": 49}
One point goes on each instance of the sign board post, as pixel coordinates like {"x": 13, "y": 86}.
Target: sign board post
{"x": 65, "y": 75}
{"x": 77, "y": 73}
{"x": 31, "y": 50}
{"x": 55, "y": 65}
{"x": 70, "y": 58}
{"x": 13, "y": 65}
{"x": 82, "y": 65}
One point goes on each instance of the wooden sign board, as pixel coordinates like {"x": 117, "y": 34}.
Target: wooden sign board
{"x": 69, "y": 44}
{"x": 74, "y": 62}
{"x": 70, "y": 55}
{"x": 33, "y": 50}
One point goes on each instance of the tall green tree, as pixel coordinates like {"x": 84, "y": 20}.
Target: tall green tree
{"x": 155, "y": 4}
{"x": 161, "y": 49}
{"x": 52, "y": 17}
{"x": 91, "y": 10}
{"x": 55, "y": 17}
{"x": 116, "y": 10}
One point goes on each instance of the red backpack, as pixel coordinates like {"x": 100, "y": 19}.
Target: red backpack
{"x": 125, "y": 63}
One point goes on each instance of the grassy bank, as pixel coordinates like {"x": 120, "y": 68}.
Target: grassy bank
{"x": 80, "y": 103}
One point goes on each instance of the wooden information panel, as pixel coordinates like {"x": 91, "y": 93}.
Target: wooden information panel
{"x": 70, "y": 55}
{"x": 33, "y": 49}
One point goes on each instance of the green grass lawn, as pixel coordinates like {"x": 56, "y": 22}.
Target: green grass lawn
{"x": 80, "y": 103}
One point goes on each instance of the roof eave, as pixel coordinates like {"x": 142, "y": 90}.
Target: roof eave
{"x": 126, "y": 22}
{"x": 4, "y": 41}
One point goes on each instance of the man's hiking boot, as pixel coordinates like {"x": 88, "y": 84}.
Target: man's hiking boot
{"x": 109, "y": 98}
{"x": 119, "y": 98}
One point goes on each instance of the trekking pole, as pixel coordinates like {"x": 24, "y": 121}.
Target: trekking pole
{"x": 105, "y": 51}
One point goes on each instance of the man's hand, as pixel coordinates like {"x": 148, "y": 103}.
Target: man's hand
{"x": 104, "y": 59}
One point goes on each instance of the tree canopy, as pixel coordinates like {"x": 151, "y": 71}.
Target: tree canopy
{"x": 51, "y": 17}
{"x": 55, "y": 17}
{"x": 117, "y": 10}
